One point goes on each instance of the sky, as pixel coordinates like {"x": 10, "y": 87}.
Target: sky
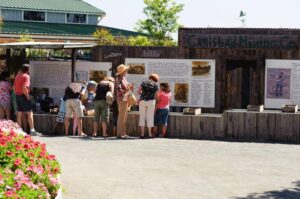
{"x": 209, "y": 13}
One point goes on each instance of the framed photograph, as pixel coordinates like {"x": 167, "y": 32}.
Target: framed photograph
{"x": 278, "y": 83}
{"x": 181, "y": 92}
{"x": 136, "y": 69}
{"x": 200, "y": 68}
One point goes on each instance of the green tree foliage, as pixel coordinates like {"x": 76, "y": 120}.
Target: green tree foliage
{"x": 162, "y": 20}
{"x": 139, "y": 41}
{"x": 104, "y": 37}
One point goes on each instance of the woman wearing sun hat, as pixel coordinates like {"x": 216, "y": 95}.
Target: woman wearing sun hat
{"x": 122, "y": 91}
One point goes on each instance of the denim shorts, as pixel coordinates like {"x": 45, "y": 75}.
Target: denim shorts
{"x": 161, "y": 117}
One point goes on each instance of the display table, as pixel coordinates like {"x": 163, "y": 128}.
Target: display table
{"x": 269, "y": 125}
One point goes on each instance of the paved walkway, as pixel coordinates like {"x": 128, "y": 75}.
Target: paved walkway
{"x": 170, "y": 168}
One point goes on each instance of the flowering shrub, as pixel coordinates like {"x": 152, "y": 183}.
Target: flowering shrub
{"x": 27, "y": 170}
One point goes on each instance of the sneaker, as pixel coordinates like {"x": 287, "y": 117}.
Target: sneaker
{"x": 35, "y": 133}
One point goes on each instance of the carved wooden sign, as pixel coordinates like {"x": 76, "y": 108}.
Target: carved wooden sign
{"x": 152, "y": 53}
{"x": 196, "y": 40}
{"x": 112, "y": 55}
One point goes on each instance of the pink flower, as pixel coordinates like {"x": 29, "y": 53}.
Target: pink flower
{"x": 17, "y": 162}
{"x": 10, "y": 194}
{"x": 51, "y": 157}
{"x": 54, "y": 181}
{"x": 30, "y": 154}
{"x": 9, "y": 153}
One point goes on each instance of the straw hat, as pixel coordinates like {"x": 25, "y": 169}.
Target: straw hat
{"x": 154, "y": 77}
{"x": 121, "y": 69}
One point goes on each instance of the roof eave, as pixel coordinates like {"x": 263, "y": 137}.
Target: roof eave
{"x": 100, "y": 13}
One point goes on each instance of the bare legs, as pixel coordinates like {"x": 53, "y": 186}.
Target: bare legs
{"x": 79, "y": 124}
{"x": 104, "y": 129}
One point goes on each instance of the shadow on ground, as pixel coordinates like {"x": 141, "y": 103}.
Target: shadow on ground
{"x": 290, "y": 193}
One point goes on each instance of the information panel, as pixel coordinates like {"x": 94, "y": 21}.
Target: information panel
{"x": 54, "y": 76}
{"x": 282, "y": 83}
{"x": 192, "y": 82}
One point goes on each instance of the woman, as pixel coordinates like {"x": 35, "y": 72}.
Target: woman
{"x": 122, "y": 91}
{"x": 162, "y": 108}
{"x": 5, "y": 102}
{"x": 101, "y": 106}
{"x": 147, "y": 90}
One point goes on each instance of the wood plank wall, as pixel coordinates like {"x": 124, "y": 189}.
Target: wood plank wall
{"x": 102, "y": 53}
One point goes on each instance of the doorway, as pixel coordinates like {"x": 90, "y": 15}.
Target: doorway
{"x": 240, "y": 75}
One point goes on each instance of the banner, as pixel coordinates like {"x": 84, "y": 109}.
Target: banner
{"x": 282, "y": 83}
{"x": 192, "y": 82}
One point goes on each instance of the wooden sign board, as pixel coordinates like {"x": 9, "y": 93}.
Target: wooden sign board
{"x": 192, "y": 111}
{"x": 290, "y": 108}
{"x": 255, "y": 108}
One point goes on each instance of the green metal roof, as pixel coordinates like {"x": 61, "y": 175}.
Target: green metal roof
{"x": 18, "y": 27}
{"x": 77, "y": 6}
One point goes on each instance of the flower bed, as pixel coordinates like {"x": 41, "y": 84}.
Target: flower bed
{"x": 27, "y": 170}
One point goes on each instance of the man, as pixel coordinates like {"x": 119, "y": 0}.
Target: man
{"x": 74, "y": 105}
{"x": 23, "y": 98}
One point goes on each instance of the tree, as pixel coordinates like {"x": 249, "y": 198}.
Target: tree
{"x": 103, "y": 37}
{"x": 139, "y": 41}
{"x": 162, "y": 20}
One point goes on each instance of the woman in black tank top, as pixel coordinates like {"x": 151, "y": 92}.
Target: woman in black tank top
{"x": 101, "y": 106}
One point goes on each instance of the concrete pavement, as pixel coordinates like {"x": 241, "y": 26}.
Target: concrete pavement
{"x": 171, "y": 168}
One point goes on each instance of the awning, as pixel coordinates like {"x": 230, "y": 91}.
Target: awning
{"x": 46, "y": 45}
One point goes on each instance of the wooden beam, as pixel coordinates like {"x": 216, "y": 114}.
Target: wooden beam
{"x": 73, "y": 64}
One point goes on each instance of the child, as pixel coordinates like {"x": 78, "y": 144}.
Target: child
{"x": 162, "y": 109}
{"x": 60, "y": 118}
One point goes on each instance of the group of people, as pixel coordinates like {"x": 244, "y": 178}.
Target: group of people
{"x": 95, "y": 98}
{"x": 109, "y": 93}
{"x": 17, "y": 97}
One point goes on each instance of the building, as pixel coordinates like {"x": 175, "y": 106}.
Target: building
{"x": 240, "y": 55}
{"x": 52, "y": 20}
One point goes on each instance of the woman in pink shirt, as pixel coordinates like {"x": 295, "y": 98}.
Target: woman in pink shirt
{"x": 162, "y": 109}
{"x": 5, "y": 102}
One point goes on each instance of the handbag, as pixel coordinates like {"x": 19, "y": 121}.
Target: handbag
{"x": 109, "y": 98}
{"x": 131, "y": 100}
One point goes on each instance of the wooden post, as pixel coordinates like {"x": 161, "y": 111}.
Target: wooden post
{"x": 73, "y": 64}
{"x": 8, "y": 60}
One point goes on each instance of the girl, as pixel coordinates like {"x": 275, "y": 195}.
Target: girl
{"x": 162, "y": 109}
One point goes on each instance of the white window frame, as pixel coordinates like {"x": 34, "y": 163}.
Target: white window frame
{"x": 86, "y": 21}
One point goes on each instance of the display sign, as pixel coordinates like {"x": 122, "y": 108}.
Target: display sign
{"x": 282, "y": 83}
{"x": 85, "y": 71}
{"x": 192, "y": 82}
{"x": 56, "y": 75}
{"x": 196, "y": 40}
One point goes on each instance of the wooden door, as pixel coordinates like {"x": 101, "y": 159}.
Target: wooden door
{"x": 239, "y": 84}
